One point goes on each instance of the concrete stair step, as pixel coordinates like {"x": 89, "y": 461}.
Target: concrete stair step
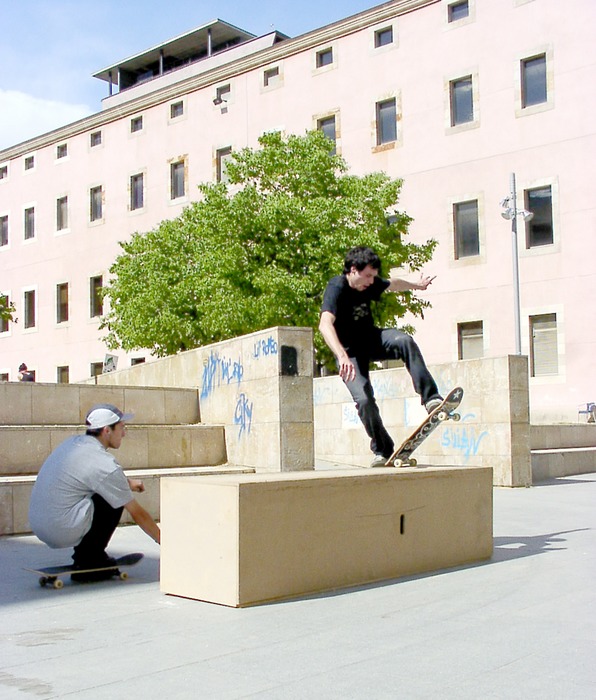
{"x": 566, "y": 461}
{"x": 23, "y": 448}
{"x": 15, "y": 492}
{"x": 27, "y": 403}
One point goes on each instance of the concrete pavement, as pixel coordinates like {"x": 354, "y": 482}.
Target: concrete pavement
{"x": 520, "y": 626}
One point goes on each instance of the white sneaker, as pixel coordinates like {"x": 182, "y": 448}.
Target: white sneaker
{"x": 378, "y": 461}
{"x": 433, "y": 404}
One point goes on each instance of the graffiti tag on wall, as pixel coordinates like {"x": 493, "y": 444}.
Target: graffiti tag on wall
{"x": 220, "y": 371}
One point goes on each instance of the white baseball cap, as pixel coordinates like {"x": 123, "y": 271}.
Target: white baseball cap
{"x": 103, "y": 414}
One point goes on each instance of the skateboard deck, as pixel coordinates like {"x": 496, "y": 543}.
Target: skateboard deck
{"x": 445, "y": 411}
{"x": 51, "y": 574}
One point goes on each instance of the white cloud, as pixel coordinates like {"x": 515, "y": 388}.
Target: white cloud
{"x": 23, "y": 116}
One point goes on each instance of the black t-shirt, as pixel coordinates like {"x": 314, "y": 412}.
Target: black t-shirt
{"x": 353, "y": 318}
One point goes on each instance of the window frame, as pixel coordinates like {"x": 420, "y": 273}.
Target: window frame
{"x": 137, "y": 196}
{"x": 96, "y": 204}
{"x": 380, "y": 137}
{"x": 95, "y": 300}
{"x": 468, "y": 331}
{"x": 4, "y": 230}
{"x": 62, "y": 304}
{"x": 29, "y": 232}
{"x": 62, "y": 214}
{"x": 220, "y": 160}
{"x": 30, "y": 309}
{"x": 552, "y": 345}
{"x": 176, "y": 167}
{"x": 459, "y": 236}
{"x": 524, "y": 81}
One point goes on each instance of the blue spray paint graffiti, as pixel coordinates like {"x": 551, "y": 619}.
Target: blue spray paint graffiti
{"x": 264, "y": 348}
{"x": 243, "y": 415}
{"x": 463, "y": 438}
{"x": 220, "y": 370}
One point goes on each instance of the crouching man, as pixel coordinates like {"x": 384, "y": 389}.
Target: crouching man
{"x": 81, "y": 492}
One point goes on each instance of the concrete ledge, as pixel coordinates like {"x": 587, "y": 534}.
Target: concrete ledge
{"x": 550, "y": 464}
{"x": 243, "y": 540}
{"x": 15, "y": 493}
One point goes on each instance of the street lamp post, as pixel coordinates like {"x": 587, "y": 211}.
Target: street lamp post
{"x": 510, "y": 212}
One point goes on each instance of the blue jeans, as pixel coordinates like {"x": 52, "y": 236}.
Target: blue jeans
{"x": 387, "y": 344}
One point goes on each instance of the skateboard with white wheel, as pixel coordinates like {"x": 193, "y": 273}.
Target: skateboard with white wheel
{"x": 50, "y": 575}
{"x": 402, "y": 457}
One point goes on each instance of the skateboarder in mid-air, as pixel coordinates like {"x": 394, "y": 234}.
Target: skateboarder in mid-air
{"x": 81, "y": 491}
{"x": 348, "y": 328}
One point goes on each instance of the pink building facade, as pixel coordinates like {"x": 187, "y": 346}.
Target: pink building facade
{"x": 451, "y": 96}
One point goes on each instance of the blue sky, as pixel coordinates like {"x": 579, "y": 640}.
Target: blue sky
{"x": 51, "y": 48}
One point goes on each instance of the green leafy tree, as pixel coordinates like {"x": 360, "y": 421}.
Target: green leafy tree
{"x": 258, "y": 250}
{"x": 7, "y": 309}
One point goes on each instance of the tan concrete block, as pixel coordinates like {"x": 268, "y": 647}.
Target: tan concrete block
{"x": 147, "y": 405}
{"x": 55, "y": 404}
{"x": 520, "y": 407}
{"x": 312, "y": 532}
{"x": 6, "y": 511}
{"x": 16, "y": 404}
{"x": 518, "y": 373}
{"x": 169, "y": 447}
{"x": 21, "y": 497}
{"x": 181, "y": 408}
{"x": 296, "y": 401}
{"x": 208, "y": 445}
{"x": 297, "y": 446}
{"x": 23, "y": 450}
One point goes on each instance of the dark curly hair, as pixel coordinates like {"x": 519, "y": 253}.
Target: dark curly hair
{"x": 359, "y": 257}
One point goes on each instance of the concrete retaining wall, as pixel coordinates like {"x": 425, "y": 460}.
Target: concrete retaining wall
{"x": 493, "y": 431}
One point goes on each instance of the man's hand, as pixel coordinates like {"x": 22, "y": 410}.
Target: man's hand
{"x": 347, "y": 371}
{"x": 136, "y": 485}
{"x": 424, "y": 281}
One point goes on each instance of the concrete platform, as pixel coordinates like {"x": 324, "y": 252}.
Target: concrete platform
{"x": 522, "y": 625}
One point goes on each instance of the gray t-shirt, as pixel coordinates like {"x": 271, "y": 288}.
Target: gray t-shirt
{"x": 61, "y": 509}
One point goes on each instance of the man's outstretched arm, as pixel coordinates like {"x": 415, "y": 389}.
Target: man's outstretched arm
{"x": 396, "y": 284}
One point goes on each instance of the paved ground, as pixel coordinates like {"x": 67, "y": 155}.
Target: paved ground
{"x": 520, "y": 626}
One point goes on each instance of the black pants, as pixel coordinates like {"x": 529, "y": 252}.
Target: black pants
{"x": 91, "y": 550}
{"x": 387, "y": 344}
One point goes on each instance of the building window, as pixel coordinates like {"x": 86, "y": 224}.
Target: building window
{"x": 137, "y": 200}
{"x": 62, "y": 303}
{"x": 29, "y": 223}
{"x": 544, "y": 358}
{"x": 386, "y": 121}
{"x": 457, "y": 11}
{"x": 95, "y": 139}
{"x": 96, "y": 203}
{"x": 176, "y": 110}
{"x": 96, "y": 368}
{"x": 222, "y": 156}
{"x": 3, "y": 230}
{"x": 177, "y": 186}
{"x": 61, "y": 213}
{"x": 4, "y": 322}
{"x": 95, "y": 296}
{"x": 137, "y": 361}
{"x": 29, "y": 307}
{"x": 470, "y": 341}
{"x": 3, "y": 172}
{"x": 533, "y": 80}
{"x": 327, "y": 126}
{"x": 271, "y": 77}
{"x": 29, "y": 162}
{"x": 383, "y": 37}
{"x": 539, "y": 230}
{"x": 462, "y": 101}
{"x": 136, "y": 124}
{"x": 62, "y": 375}
{"x": 465, "y": 225}
{"x": 324, "y": 58}
{"x": 62, "y": 150}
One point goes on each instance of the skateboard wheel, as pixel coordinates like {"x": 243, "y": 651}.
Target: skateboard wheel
{"x": 442, "y": 415}
{"x": 456, "y": 417}
{"x": 413, "y": 462}
{"x": 398, "y": 463}
{"x": 58, "y": 583}
{"x": 42, "y": 581}
{"x": 123, "y": 575}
